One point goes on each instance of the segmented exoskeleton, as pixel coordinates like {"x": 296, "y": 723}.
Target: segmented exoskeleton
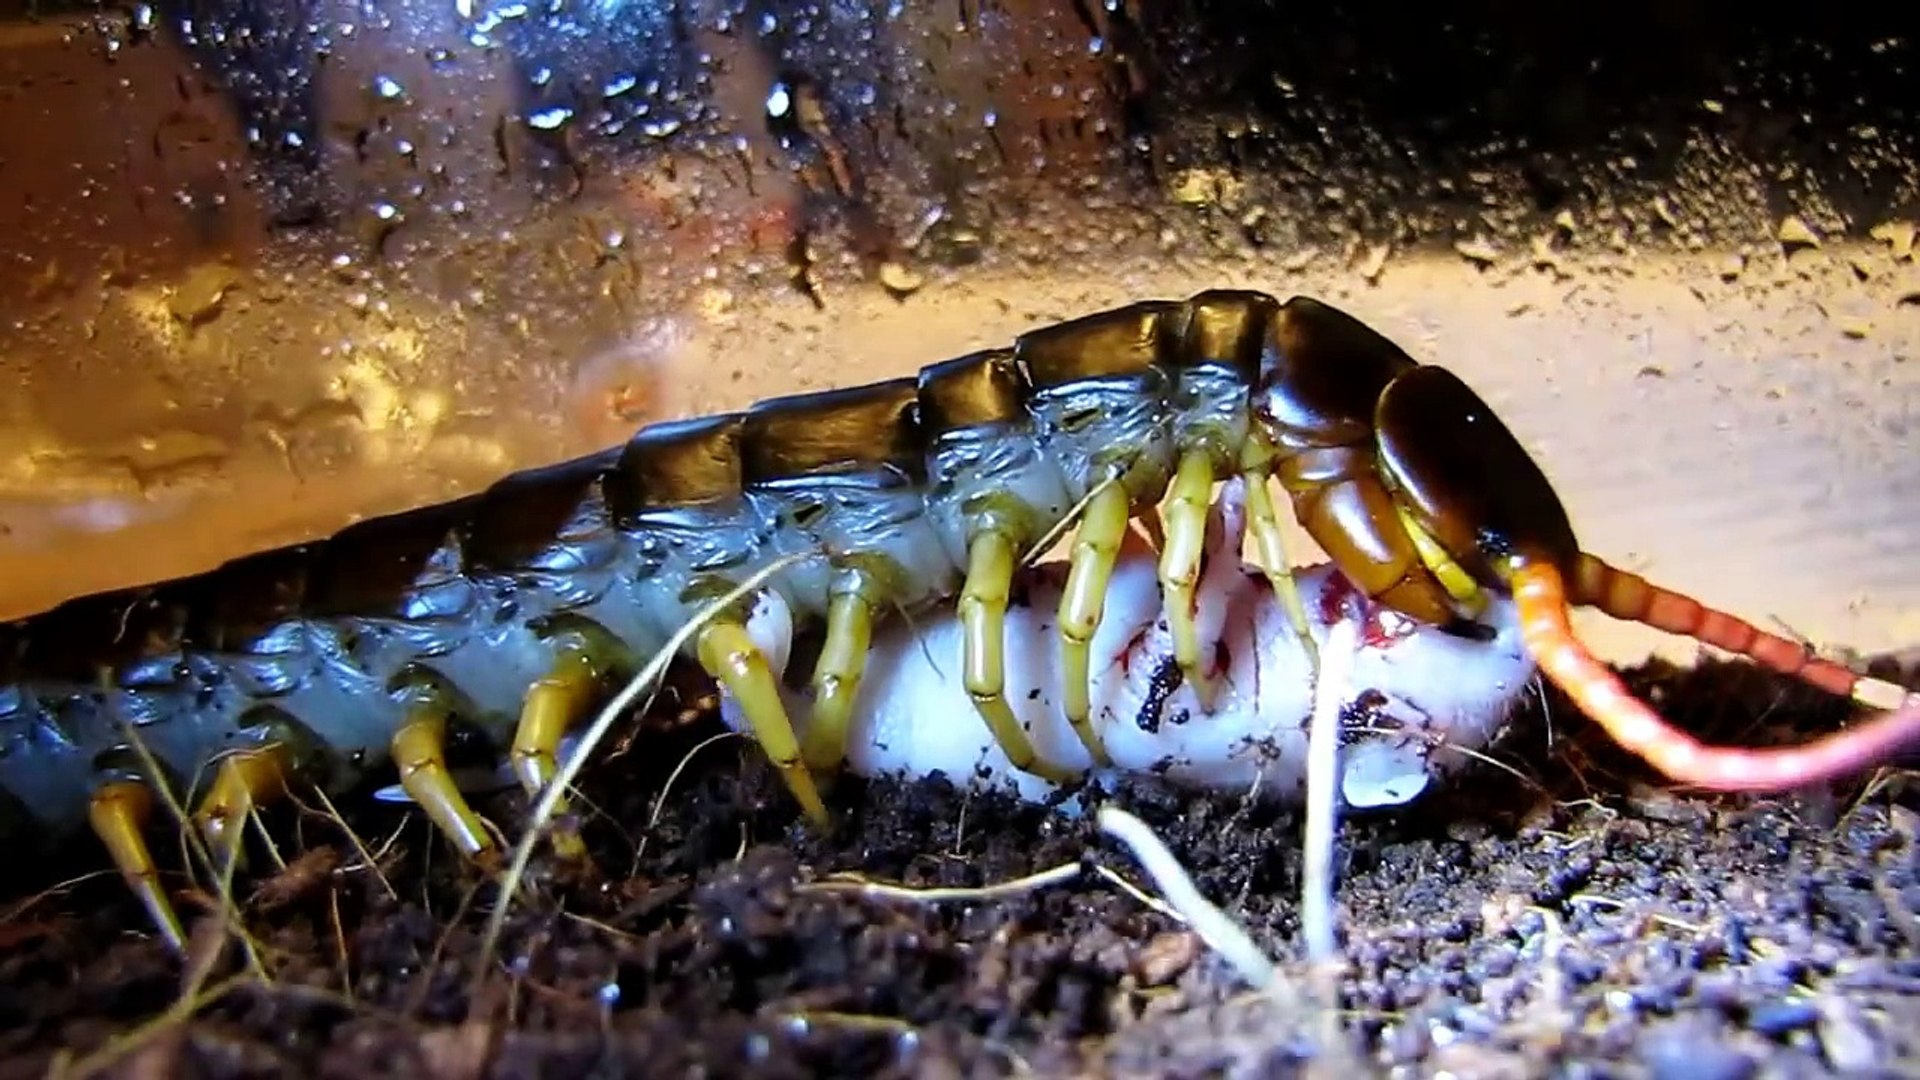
{"x": 512, "y": 609}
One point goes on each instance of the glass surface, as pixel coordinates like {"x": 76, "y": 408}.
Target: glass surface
{"x": 265, "y": 269}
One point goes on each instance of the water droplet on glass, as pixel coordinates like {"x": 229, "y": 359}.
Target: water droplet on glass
{"x": 779, "y": 101}
{"x": 541, "y": 76}
{"x": 143, "y": 17}
{"x": 387, "y": 87}
{"x": 620, "y": 86}
{"x": 550, "y": 119}
{"x": 198, "y": 299}
{"x": 899, "y": 279}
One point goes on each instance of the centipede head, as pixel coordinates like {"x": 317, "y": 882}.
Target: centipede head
{"x": 1457, "y": 472}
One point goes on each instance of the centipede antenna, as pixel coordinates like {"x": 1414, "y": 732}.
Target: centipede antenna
{"x": 1542, "y": 598}
{"x": 1622, "y": 594}
{"x": 645, "y": 679}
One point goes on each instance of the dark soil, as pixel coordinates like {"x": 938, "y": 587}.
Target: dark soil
{"x": 1580, "y": 922}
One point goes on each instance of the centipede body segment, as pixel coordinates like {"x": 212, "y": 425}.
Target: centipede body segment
{"x": 509, "y": 615}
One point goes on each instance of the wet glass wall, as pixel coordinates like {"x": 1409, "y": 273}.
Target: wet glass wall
{"x": 268, "y": 267}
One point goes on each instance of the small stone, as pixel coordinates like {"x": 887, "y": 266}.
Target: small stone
{"x": 1796, "y": 233}
{"x": 1163, "y": 959}
{"x": 1782, "y": 1017}
{"x": 900, "y": 279}
{"x": 1479, "y": 250}
{"x": 1375, "y": 263}
{"x": 1846, "y": 1038}
{"x": 1897, "y": 235}
{"x": 1693, "y": 1051}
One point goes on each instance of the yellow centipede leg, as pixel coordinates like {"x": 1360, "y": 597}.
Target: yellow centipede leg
{"x": 552, "y": 706}
{"x": 420, "y": 754}
{"x": 1186, "y": 541}
{"x": 836, "y": 678}
{"x": 1096, "y": 547}
{"x": 1452, "y": 576}
{"x": 243, "y": 780}
{"x": 1272, "y": 542}
{"x": 983, "y": 614}
{"x": 729, "y": 655}
{"x": 119, "y": 812}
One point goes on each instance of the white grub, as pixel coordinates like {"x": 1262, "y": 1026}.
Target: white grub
{"x": 1433, "y": 694}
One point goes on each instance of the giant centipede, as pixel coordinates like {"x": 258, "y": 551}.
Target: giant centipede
{"x": 511, "y": 612}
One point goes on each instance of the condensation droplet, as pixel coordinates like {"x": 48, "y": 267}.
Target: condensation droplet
{"x": 550, "y": 119}
{"x": 388, "y": 88}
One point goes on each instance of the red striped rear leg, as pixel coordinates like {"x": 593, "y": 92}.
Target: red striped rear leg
{"x": 1543, "y": 599}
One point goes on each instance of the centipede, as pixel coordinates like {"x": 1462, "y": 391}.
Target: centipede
{"x": 509, "y": 614}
